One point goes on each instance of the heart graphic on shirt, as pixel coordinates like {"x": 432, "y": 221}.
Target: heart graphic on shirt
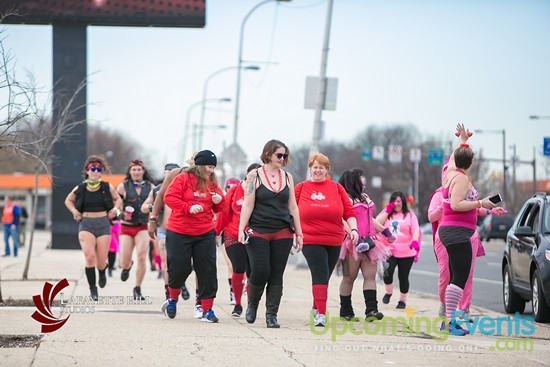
{"x": 318, "y": 196}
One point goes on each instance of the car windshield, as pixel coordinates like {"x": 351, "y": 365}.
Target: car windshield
{"x": 547, "y": 219}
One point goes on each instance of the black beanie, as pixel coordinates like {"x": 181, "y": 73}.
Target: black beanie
{"x": 205, "y": 158}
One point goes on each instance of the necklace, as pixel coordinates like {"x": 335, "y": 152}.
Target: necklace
{"x": 93, "y": 184}
{"x": 275, "y": 181}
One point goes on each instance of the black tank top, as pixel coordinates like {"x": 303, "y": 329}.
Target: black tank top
{"x": 270, "y": 212}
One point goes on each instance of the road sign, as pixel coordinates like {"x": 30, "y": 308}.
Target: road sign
{"x": 415, "y": 155}
{"x": 395, "y": 153}
{"x": 378, "y": 152}
{"x": 547, "y": 146}
{"x": 435, "y": 156}
{"x": 367, "y": 152}
{"x": 312, "y": 93}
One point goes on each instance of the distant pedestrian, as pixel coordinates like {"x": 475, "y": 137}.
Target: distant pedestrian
{"x": 227, "y": 225}
{"x": 10, "y": 220}
{"x": 271, "y": 220}
{"x": 134, "y": 191}
{"x": 404, "y": 225}
{"x": 92, "y": 203}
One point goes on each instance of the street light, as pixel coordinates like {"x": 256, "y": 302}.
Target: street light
{"x": 240, "y": 62}
{"x": 188, "y": 119}
{"x": 503, "y": 132}
{"x": 205, "y": 91}
{"x": 537, "y": 117}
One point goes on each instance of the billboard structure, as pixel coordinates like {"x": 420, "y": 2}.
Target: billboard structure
{"x": 155, "y": 13}
{"x": 69, "y": 20}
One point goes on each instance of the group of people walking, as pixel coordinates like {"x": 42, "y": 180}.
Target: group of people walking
{"x": 263, "y": 217}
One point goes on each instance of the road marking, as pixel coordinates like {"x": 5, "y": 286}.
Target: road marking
{"x": 436, "y": 275}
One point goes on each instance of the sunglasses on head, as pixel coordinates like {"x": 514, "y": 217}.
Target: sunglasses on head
{"x": 281, "y": 155}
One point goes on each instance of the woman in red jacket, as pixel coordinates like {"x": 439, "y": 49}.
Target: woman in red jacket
{"x": 228, "y": 222}
{"x": 323, "y": 204}
{"x": 194, "y": 196}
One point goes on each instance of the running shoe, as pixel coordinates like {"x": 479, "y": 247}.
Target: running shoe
{"x": 163, "y": 307}
{"x": 320, "y": 320}
{"x": 209, "y": 316}
{"x": 171, "y": 308}
{"x": 237, "y": 311}
{"x": 232, "y": 298}
{"x": 185, "y": 293}
{"x": 198, "y": 312}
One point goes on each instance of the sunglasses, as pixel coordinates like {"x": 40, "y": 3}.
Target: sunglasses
{"x": 98, "y": 169}
{"x": 281, "y": 155}
{"x": 136, "y": 162}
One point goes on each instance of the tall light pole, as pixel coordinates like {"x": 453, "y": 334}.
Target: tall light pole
{"x": 188, "y": 119}
{"x": 240, "y": 63}
{"x": 205, "y": 91}
{"x": 503, "y": 132}
{"x": 537, "y": 117}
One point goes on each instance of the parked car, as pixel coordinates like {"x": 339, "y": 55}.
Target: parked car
{"x": 526, "y": 261}
{"x": 495, "y": 226}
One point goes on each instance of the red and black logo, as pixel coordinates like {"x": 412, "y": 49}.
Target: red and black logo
{"x": 43, "y": 303}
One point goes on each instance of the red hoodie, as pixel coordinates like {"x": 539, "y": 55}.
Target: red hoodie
{"x": 181, "y": 195}
{"x": 228, "y": 221}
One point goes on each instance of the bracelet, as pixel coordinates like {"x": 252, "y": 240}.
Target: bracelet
{"x": 152, "y": 218}
{"x": 479, "y": 203}
{"x": 299, "y": 235}
{"x": 354, "y": 229}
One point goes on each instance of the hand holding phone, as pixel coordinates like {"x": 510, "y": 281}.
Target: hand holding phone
{"x": 495, "y": 199}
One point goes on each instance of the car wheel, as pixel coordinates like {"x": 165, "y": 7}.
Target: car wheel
{"x": 512, "y": 300}
{"x": 540, "y": 307}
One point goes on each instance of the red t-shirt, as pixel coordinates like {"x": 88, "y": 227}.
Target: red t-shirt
{"x": 228, "y": 221}
{"x": 322, "y": 207}
{"x": 181, "y": 195}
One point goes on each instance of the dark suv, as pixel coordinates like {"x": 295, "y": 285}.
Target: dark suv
{"x": 526, "y": 262}
{"x": 495, "y": 226}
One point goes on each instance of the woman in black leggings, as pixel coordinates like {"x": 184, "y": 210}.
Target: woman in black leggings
{"x": 270, "y": 218}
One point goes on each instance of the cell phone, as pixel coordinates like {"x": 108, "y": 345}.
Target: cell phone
{"x": 495, "y": 199}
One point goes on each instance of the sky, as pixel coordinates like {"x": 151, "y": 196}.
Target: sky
{"x": 485, "y": 63}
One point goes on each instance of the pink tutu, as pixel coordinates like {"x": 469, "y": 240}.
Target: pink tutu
{"x": 378, "y": 253}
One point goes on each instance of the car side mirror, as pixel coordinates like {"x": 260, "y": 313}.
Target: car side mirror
{"x": 524, "y": 231}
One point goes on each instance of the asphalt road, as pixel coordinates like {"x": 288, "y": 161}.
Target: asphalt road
{"x": 487, "y": 286}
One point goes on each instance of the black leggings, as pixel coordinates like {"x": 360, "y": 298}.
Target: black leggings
{"x": 405, "y": 264}
{"x": 239, "y": 258}
{"x": 180, "y": 249}
{"x": 267, "y": 260}
{"x": 321, "y": 260}
{"x": 460, "y": 262}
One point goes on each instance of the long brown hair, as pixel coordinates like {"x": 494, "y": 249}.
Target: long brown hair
{"x": 200, "y": 173}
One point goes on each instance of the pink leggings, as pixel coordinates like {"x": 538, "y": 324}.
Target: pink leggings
{"x": 445, "y": 275}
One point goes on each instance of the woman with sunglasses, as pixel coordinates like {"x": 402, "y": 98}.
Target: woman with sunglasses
{"x": 270, "y": 219}
{"x": 134, "y": 190}
{"x": 92, "y": 203}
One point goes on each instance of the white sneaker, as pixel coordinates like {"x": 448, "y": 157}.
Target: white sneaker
{"x": 232, "y": 298}
{"x": 163, "y": 307}
{"x": 319, "y": 320}
{"x": 198, "y": 312}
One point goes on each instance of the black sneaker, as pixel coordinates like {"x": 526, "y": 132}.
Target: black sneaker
{"x": 401, "y": 305}
{"x": 137, "y": 294}
{"x": 386, "y": 298}
{"x": 185, "y": 293}
{"x": 125, "y": 273}
{"x": 93, "y": 293}
{"x": 237, "y": 311}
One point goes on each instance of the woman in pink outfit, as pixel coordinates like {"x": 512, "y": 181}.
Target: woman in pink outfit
{"x": 405, "y": 249}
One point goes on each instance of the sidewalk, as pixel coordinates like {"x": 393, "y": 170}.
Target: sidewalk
{"x": 127, "y": 334}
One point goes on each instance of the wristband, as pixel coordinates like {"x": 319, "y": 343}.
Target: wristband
{"x": 299, "y": 235}
{"x": 487, "y": 211}
{"x": 479, "y": 203}
{"x": 354, "y": 229}
{"x": 153, "y": 218}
